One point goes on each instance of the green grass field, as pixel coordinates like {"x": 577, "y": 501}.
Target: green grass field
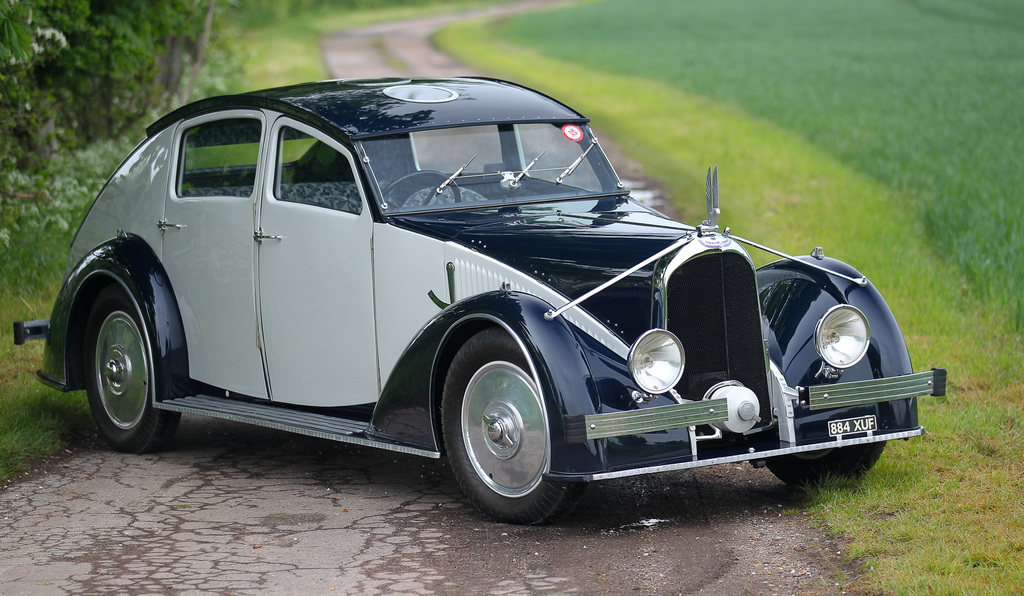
{"x": 941, "y": 514}
{"x": 924, "y": 96}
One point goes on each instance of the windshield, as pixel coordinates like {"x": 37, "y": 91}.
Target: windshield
{"x": 489, "y": 165}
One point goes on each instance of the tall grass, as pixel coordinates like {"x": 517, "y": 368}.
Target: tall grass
{"x": 924, "y": 96}
{"x": 940, "y": 514}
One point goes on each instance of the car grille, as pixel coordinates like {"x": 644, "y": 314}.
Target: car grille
{"x": 713, "y": 309}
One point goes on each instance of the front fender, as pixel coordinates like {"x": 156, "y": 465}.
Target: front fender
{"x": 409, "y": 408}
{"x": 131, "y": 263}
{"x": 795, "y": 296}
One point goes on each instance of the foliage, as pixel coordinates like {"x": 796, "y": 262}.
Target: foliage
{"x": 939, "y": 514}
{"x": 922, "y": 95}
{"x": 80, "y": 71}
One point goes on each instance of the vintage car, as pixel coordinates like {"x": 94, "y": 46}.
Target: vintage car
{"x": 452, "y": 267}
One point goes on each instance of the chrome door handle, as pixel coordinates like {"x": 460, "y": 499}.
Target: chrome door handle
{"x": 259, "y": 236}
{"x": 163, "y": 224}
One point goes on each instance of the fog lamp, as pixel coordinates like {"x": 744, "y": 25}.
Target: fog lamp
{"x": 841, "y": 337}
{"x": 656, "y": 361}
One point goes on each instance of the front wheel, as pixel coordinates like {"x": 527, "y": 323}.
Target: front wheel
{"x": 120, "y": 379}
{"x": 495, "y": 429}
{"x": 814, "y": 466}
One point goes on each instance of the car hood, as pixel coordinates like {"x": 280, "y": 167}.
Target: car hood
{"x": 572, "y": 251}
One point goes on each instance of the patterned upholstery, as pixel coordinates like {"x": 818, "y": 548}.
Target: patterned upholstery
{"x": 340, "y": 196}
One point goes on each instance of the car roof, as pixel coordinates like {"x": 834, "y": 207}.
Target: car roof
{"x": 362, "y": 108}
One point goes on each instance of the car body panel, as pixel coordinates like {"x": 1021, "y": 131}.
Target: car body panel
{"x": 305, "y": 309}
{"x": 210, "y": 258}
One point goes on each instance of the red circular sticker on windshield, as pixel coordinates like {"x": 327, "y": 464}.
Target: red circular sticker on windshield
{"x": 572, "y": 132}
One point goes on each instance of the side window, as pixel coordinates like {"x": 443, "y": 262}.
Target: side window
{"x": 219, "y": 158}
{"x": 310, "y": 172}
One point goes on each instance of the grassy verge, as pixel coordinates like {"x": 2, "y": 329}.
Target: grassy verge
{"x": 940, "y": 514}
{"x": 288, "y": 51}
{"x": 34, "y": 420}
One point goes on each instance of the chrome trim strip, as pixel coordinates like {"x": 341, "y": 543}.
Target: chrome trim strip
{"x": 293, "y": 421}
{"x": 686, "y": 239}
{"x": 860, "y": 281}
{"x": 743, "y": 457}
{"x": 868, "y": 392}
{"x": 632, "y": 422}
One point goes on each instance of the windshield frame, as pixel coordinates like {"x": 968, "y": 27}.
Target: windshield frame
{"x": 487, "y": 188}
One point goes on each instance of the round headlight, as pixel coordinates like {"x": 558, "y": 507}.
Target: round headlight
{"x": 656, "y": 361}
{"x": 841, "y": 336}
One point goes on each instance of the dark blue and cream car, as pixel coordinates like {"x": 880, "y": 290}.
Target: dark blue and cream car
{"x": 452, "y": 267}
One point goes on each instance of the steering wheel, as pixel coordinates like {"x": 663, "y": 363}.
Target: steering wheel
{"x": 400, "y": 191}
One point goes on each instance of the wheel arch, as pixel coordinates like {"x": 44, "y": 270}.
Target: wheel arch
{"x": 794, "y": 296}
{"x": 558, "y": 362}
{"x": 128, "y": 262}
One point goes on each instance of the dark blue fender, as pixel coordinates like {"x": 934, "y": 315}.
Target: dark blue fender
{"x": 409, "y": 408}
{"x": 794, "y": 297}
{"x": 132, "y": 264}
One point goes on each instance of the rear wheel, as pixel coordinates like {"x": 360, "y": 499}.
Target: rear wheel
{"x": 814, "y": 466}
{"x": 120, "y": 379}
{"x": 496, "y": 433}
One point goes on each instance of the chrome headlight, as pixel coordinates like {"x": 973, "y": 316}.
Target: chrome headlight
{"x": 841, "y": 337}
{"x": 656, "y": 361}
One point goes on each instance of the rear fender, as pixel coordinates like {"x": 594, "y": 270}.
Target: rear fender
{"x": 130, "y": 263}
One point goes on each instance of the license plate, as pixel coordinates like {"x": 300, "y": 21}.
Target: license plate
{"x": 849, "y": 426}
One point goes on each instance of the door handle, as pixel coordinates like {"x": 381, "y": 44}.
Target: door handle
{"x": 259, "y": 236}
{"x": 163, "y": 224}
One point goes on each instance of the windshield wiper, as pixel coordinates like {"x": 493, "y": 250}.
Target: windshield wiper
{"x": 457, "y": 173}
{"x": 572, "y": 168}
{"x": 515, "y": 181}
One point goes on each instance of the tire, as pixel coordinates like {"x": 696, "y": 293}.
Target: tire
{"x": 120, "y": 377}
{"x": 496, "y": 433}
{"x": 815, "y": 466}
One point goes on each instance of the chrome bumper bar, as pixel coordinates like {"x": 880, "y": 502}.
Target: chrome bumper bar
{"x": 783, "y": 449}
{"x": 856, "y": 393}
{"x": 634, "y": 422}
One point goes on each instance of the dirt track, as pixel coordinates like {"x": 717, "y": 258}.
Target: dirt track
{"x": 237, "y": 509}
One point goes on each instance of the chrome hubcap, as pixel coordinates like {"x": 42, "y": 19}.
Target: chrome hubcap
{"x": 122, "y": 372}
{"x": 504, "y": 429}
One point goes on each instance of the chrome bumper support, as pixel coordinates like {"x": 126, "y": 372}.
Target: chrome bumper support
{"x": 856, "y": 393}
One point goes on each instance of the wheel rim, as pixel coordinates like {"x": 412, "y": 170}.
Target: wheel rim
{"x": 122, "y": 370}
{"x": 504, "y": 429}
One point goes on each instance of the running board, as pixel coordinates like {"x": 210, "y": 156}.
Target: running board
{"x": 295, "y": 421}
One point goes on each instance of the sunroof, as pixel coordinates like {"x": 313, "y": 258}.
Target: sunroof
{"x": 421, "y": 93}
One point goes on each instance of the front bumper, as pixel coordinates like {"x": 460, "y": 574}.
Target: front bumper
{"x": 801, "y": 417}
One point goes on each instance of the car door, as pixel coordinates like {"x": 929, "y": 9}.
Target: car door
{"x": 208, "y": 247}
{"x": 315, "y": 290}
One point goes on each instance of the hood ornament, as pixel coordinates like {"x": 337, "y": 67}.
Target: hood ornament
{"x": 710, "y": 225}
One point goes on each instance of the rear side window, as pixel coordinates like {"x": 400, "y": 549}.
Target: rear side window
{"x": 219, "y": 158}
